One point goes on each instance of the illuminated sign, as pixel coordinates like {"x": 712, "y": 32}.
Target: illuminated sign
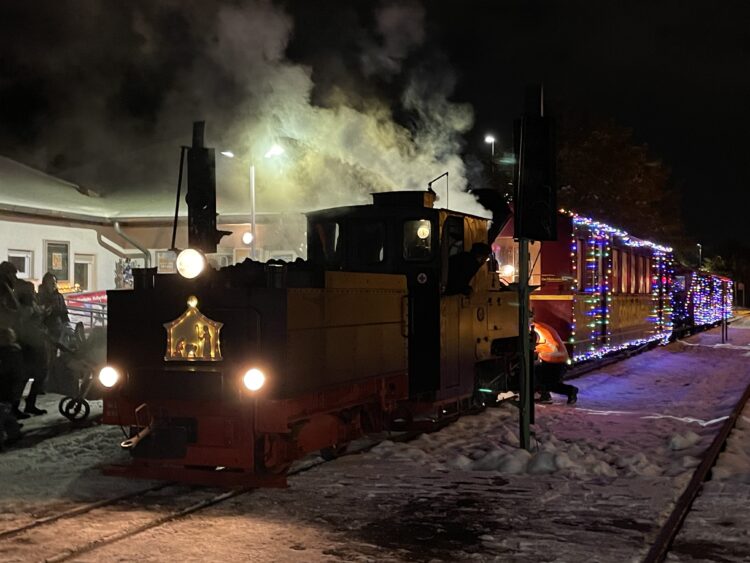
{"x": 193, "y": 336}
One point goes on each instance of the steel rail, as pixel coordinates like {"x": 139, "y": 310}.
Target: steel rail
{"x": 9, "y": 533}
{"x": 671, "y": 527}
{"x": 115, "y": 537}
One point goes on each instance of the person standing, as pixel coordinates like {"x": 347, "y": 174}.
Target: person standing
{"x": 11, "y": 370}
{"x": 553, "y": 358}
{"x": 8, "y": 299}
{"x": 33, "y": 340}
{"x": 54, "y": 316}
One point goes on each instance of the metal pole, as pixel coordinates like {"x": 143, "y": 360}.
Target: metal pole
{"x": 524, "y": 348}
{"x": 252, "y": 213}
{"x": 177, "y": 203}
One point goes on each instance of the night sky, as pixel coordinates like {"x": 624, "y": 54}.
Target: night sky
{"x": 374, "y": 95}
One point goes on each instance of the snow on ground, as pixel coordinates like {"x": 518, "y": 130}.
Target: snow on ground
{"x": 603, "y": 476}
{"x": 718, "y": 527}
{"x": 56, "y": 464}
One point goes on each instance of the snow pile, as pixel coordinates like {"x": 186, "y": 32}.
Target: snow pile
{"x": 684, "y": 441}
{"x": 490, "y": 443}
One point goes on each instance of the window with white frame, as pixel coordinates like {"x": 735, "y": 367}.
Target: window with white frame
{"x": 23, "y": 260}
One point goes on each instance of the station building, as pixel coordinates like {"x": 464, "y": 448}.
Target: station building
{"x": 90, "y": 241}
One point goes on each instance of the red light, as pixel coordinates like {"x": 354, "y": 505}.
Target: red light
{"x": 663, "y": 279}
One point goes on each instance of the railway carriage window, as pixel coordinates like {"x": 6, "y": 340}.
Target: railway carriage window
{"x": 614, "y": 282}
{"x": 418, "y": 239}
{"x": 624, "y": 271}
{"x": 580, "y": 263}
{"x": 368, "y": 242}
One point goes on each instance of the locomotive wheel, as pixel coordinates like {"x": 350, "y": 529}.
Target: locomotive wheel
{"x": 74, "y": 409}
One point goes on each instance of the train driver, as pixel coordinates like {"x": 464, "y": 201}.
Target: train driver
{"x": 553, "y": 358}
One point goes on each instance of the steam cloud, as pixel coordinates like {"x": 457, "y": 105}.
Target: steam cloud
{"x": 126, "y": 80}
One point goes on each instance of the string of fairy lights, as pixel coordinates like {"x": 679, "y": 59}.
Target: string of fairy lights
{"x": 593, "y": 301}
{"x": 710, "y": 300}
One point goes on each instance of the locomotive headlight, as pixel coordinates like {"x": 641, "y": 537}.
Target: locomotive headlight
{"x": 108, "y": 376}
{"x": 253, "y": 379}
{"x": 190, "y": 263}
{"x": 423, "y": 231}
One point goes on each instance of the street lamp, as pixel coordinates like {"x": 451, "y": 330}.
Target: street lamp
{"x": 490, "y": 140}
{"x": 275, "y": 150}
{"x": 700, "y": 255}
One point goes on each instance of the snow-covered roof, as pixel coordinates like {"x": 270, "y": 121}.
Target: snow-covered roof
{"x": 23, "y": 188}
{"x": 31, "y": 191}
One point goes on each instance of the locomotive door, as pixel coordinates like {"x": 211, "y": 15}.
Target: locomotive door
{"x": 451, "y": 307}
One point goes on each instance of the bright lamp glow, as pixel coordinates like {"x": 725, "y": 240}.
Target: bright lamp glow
{"x": 228, "y": 154}
{"x": 489, "y": 139}
{"x": 108, "y": 376}
{"x": 253, "y": 379}
{"x": 247, "y": 237}
{"x": 190, "y": 263}
{"x": 423, "y": 231}
{"x": 507, "y": 270}
{"x": 275, "y": 150}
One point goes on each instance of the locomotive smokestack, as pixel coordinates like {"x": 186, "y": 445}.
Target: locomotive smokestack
{"x": 201, "y": 194}
{"x": 199, "y": 129}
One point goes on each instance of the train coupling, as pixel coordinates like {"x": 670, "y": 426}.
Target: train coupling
{"x": 145, "y": 429}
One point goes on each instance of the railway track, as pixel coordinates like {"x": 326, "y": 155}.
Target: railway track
{"x": 671, "y": 527}
{"x": 88, "y": 519}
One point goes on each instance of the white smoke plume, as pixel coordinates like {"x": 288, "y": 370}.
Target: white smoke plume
{"x": 237, "y": 77}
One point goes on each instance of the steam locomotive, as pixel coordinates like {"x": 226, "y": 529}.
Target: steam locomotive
{"x": 228, "y": 377}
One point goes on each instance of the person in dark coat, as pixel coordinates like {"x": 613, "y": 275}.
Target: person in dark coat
{"x": 11, "y": 373}
{"x": 53, "y": 306}
{"x": 8, "y": 299}
{"x": 462, "y": 268}
{"x": 32, "y": 337}
{"x": 54, "y": 314}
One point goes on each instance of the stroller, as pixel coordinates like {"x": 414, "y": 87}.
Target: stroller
{"x": 72, "y": 372}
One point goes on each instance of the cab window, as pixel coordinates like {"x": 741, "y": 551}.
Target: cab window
{"x": 367, "y": 242}
{"x": 328, "y": 242}
{"x": 417, "y": 240}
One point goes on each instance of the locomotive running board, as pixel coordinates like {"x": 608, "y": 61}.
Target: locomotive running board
{"x": 222, "y": 478}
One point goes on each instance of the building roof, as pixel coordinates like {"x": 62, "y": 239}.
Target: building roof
{"x": 26, "y": 190}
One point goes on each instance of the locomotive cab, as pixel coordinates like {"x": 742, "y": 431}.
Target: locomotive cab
{"x": 449, "y": 336}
